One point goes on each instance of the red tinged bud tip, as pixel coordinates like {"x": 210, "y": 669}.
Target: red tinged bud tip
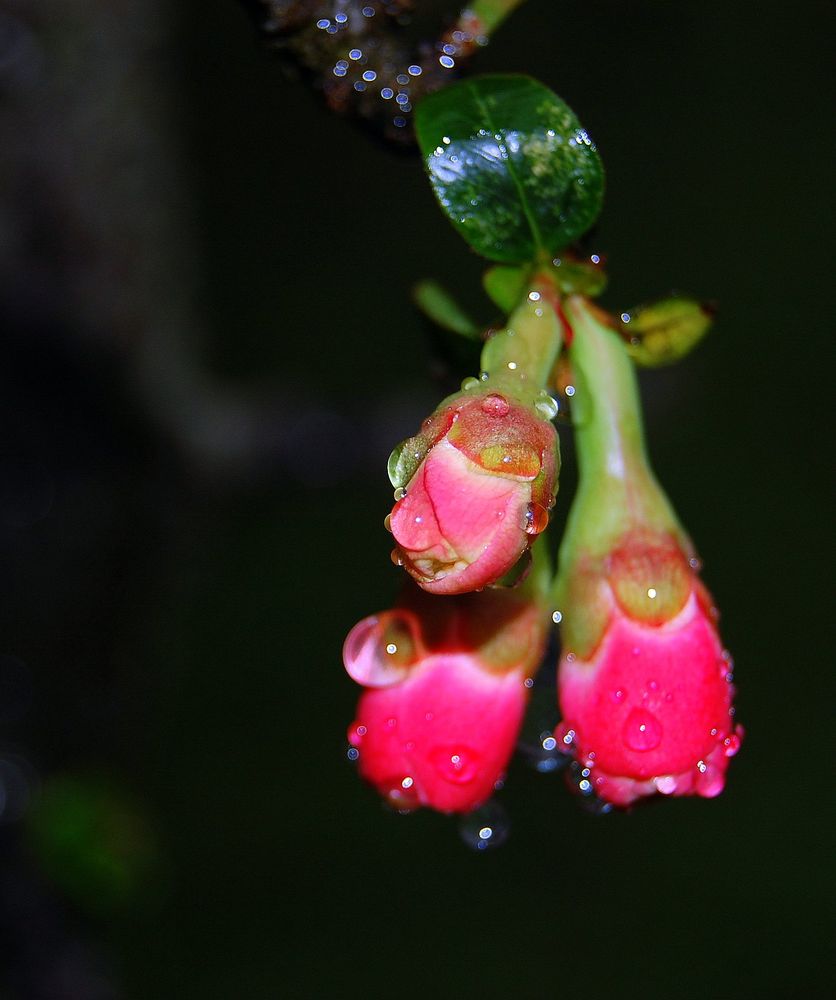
{"x": 649, "y": 709}
{"x": 445, "y": 696}
{"x": 474, "y": 493}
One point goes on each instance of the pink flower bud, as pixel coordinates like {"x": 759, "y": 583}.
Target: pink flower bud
{"x": 445, "y": 695}
{"x": 648, "y": 709}
{"x": 476, "y": 486}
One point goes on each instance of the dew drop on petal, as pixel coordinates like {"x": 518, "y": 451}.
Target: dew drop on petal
{"x": 496, "y": 405}
{"x": 458, "y": 765}
{"x": 369, "y": 654}
{"x": 642, "y": 731}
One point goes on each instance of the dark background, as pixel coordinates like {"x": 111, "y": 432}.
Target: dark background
{"x": 208, "y": 350}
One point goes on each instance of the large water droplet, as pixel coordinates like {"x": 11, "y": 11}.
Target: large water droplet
{"x": 379, "y": 650}
{"x": 496, "y": 405}
{"x": 469, "y": 384}
{"x": 642, "y": 731}
{"x": 485, "y": 828}
{"x": 458, "y": 764}
{"x": 536, "y": 519}
{"x": 547, "y": 406}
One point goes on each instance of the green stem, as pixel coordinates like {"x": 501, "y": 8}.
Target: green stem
{"x": 491, "y": 13}
{"x": 520, "y": 357}
{"x": 617, "y": 490}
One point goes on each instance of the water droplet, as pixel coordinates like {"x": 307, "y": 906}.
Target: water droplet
{"x": 399, "y": 494}
{"x": 356, "y": 734}
{"x": 485, "y": 828}
{"x": 396, "y": 557}
{"x": 702, "y": 767}
{"x": 353, "y": 754}
{"x": 557, "y": 617}
{"x": 642, "y": 731}
{"x": 547, "y": 406}
{"x": 666, "y": 784}
{"x": 536, "y": 519}
{"x": 387, "y": 522}
{"x": 618, "y": 695}
{"x": 469, "y": 384}
{"x": 651, "y": 593}
{"x": 458, "y": 765}
{"x": 496, "y": 405}
{"x": 529, "y": 682}
{"x": 695, "y": 563}
{"x": 731, "y": 744}
{"x": 403, "y": 799}
{"x": 379, "y": 650}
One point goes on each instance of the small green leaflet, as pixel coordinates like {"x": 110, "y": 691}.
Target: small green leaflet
{"x": 511, "y": 166}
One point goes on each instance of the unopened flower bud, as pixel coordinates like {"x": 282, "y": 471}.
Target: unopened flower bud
{"x": 475, "y": 488}
{"x": 445, "y": 694}
{"x": 644, "y": 681}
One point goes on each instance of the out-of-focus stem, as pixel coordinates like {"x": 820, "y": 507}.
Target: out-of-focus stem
{"x": 491, "y": 13}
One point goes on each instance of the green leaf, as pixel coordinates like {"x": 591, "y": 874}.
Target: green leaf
{"x": 511, "y": 166}
{"x": 505, "y": 285}
{"x": 439, "y": 305}
{"x": 665, "y": 331}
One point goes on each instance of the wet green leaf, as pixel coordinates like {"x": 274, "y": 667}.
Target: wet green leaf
{"x": 511, "y": 166}
{"x": 665, "y": 331}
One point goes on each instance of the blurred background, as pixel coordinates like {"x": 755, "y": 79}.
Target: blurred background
{"x": 208, "y": 350}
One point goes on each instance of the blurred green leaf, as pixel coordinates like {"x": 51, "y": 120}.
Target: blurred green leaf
{"x": 94, "y": 841}
{"x": 505, "y": 285}
{"x": 439, "y": 305}
{"x": 511, "y": 166}
{"x": 665, "y": 331}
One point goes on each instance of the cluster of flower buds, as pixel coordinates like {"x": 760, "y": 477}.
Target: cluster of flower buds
{"x": 643, "y": 678}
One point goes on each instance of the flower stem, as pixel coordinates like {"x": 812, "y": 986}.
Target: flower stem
{"x": 520, "y": 357}
{"x": 617, "y": 490}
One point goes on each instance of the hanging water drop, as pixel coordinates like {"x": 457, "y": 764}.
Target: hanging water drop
{"x": 485, "y": 828}
{"x": 536, "y": 519}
